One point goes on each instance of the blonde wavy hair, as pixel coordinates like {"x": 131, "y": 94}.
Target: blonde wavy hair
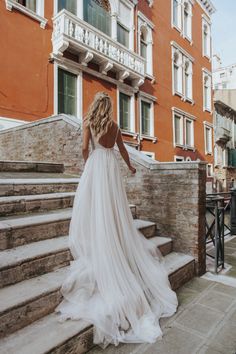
{"x": 99, "y": 115}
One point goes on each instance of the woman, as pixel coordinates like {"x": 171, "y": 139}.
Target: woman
{"x": 117, "y": 280}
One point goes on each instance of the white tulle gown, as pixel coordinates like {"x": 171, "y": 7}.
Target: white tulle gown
{"x": 117, "y": 280}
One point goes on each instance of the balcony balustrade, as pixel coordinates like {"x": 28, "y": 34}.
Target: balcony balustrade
{"x": 72, "y": 33}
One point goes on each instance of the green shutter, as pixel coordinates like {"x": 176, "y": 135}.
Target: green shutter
{"x": 232, "y": 157}
{"x": 124, "y": 108}
{"x": 145, "y": 111}
{"x": 67, "y": 92}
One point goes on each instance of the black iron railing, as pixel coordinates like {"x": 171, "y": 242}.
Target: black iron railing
{"x": 220, "y": 222}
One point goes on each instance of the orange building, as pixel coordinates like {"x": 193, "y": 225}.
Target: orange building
{"x": 152, "y": 56}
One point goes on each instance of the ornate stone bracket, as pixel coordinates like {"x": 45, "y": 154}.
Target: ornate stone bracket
{"x": 86, "y": 58}
{"x": 122, "y": 75}
{"x": 105, "y": 67}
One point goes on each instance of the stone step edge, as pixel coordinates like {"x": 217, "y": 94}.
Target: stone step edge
{"x": 50, "y": 321}
{"x": 40, "y": 249}
{"x": 33, "y": 197}
{"x": 182, "y": 260}
{"x": 38, "y": 181}
{"x": 50, "y": 217}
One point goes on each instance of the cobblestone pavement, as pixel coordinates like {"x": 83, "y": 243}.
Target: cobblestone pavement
{"x": 205, "y": 323}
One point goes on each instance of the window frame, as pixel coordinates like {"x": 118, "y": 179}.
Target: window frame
{"x": 38, "y": 15}
{"x": 184, "y": 117}
{"x": 132, "y": 110}
{"x": 207, "y": 100}
{"x": 78, "y": 73}
{"x": 208, "y": 127}
{"x": 206, "y": 51}
{"x": 145, "y": 23}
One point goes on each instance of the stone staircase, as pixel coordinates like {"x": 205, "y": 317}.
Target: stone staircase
{"x": 35, "y": 209}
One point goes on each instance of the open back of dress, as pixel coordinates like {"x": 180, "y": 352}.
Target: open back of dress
{"x": 117, "y": 280}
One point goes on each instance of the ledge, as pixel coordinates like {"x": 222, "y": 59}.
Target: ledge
{"x": 10, "y": 4}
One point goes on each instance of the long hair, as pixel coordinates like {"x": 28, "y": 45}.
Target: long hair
{"x": 99, "y": 115}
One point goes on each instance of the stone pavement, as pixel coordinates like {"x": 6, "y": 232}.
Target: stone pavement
{"x": 204, "y": 324}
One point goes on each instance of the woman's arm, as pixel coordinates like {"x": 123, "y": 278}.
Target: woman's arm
{"x": 124, "y": 152}
{"x": 86, "y": 138}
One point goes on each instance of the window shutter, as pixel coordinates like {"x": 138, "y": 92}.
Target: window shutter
{"x": 232, "y": 157}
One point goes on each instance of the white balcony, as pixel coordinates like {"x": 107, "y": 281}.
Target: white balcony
{"x": 73, "y": 34}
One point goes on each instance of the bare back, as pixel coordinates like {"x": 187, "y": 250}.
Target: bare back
{"x": 108, "y": 140}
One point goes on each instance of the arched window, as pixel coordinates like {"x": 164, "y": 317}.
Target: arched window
{"x": 188, "y": 79}
{"x": 187, "y": 22}
{"x": 145, "y": 44}
{"x": 97, "y": 13}
{"x": 177, "y": 72}
{"x": 207, "y": 91}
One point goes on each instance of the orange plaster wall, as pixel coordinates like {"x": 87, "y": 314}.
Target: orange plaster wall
{"x": 92, "y": 85}
{"x": 26, "y": 81}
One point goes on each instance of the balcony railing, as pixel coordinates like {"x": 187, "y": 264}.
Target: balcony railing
{"x": 93, "y": 45}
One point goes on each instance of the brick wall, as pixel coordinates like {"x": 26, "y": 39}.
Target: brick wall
{"x": 170, "y": 194}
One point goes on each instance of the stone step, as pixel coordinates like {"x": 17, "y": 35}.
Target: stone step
{"x": 26, "y": 302}
{"x": 18, "y": 230}
{"x": 30, "y": 166}
{"x": 36, "y": 258}
{"x": 25, "y": 204}
{"x": 26, "y": 186}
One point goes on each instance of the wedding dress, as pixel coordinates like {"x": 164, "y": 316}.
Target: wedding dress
{"x": 117, "y": 280}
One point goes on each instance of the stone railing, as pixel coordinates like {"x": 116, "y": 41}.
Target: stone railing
{"x": 68, "y": 27}
{"x": 170, "y": 194}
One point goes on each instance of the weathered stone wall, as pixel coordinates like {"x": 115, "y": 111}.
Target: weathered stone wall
{"x": 54, "y": 139}
{"x": 170, "y": 194}
{"x": 224, "y": 177}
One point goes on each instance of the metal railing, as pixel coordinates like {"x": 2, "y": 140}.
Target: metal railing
{"x": 218, "y": 206}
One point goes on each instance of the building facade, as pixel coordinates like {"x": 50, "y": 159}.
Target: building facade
{"x": 152, "y": 56}
{"x": 224, "y": 78}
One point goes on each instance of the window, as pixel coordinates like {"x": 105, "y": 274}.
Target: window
{"x": 124, "y": 111}
{"x": 206, "y": 37}
{"x": 178, "y": 73}
{"x": 182, "y": 74}
{"x": 183, "y": 130}
{"x": 67, "y": 92}
{"x": 145, "y": 118}
{"x": 182, "y": 17}
{"x": 179, "y": 158}
{"x": 187, "y": 20}
{"x": 145, "y": 27}
{"x": 124, "y": 24}
{"x": 189, "y": 132}
{"x": 176, "y": 13}
{"x": 31, "y": 8}
{"x": 208, "y": 139}
{"x": 97, "y": 13}
{"x": 122, "y": 35}
{"x": 178, "y": 129}
{"x": 206, "y": 91}
{"x": 188, "y": 79}
{"x": 209, "y": 170}
{"x": 30, "y": 4}
{"x": 69, "y": 5}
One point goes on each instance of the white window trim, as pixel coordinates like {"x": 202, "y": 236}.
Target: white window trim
{"x": 208, "y": 125}
{"x": 192, "y": 132}
{"x": 75, "y": 71}
{"x": 208, "y": 73}
{"x": 144, "y": 21}
{"x": 149, "y": 99}
{"x": 211, "y": 166}
{"x": 132, "y": 109}
{"x": 149, "y": 153}
{"x": 178, "y": 157}
{"x": 207, "y": 22}
{"x": 185, "y": 57}
{"x": 184, "y": 116}
{"x": 131, "y": 28}
{"x": 38, "y": 16}
{"x": 180, "y": 27}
